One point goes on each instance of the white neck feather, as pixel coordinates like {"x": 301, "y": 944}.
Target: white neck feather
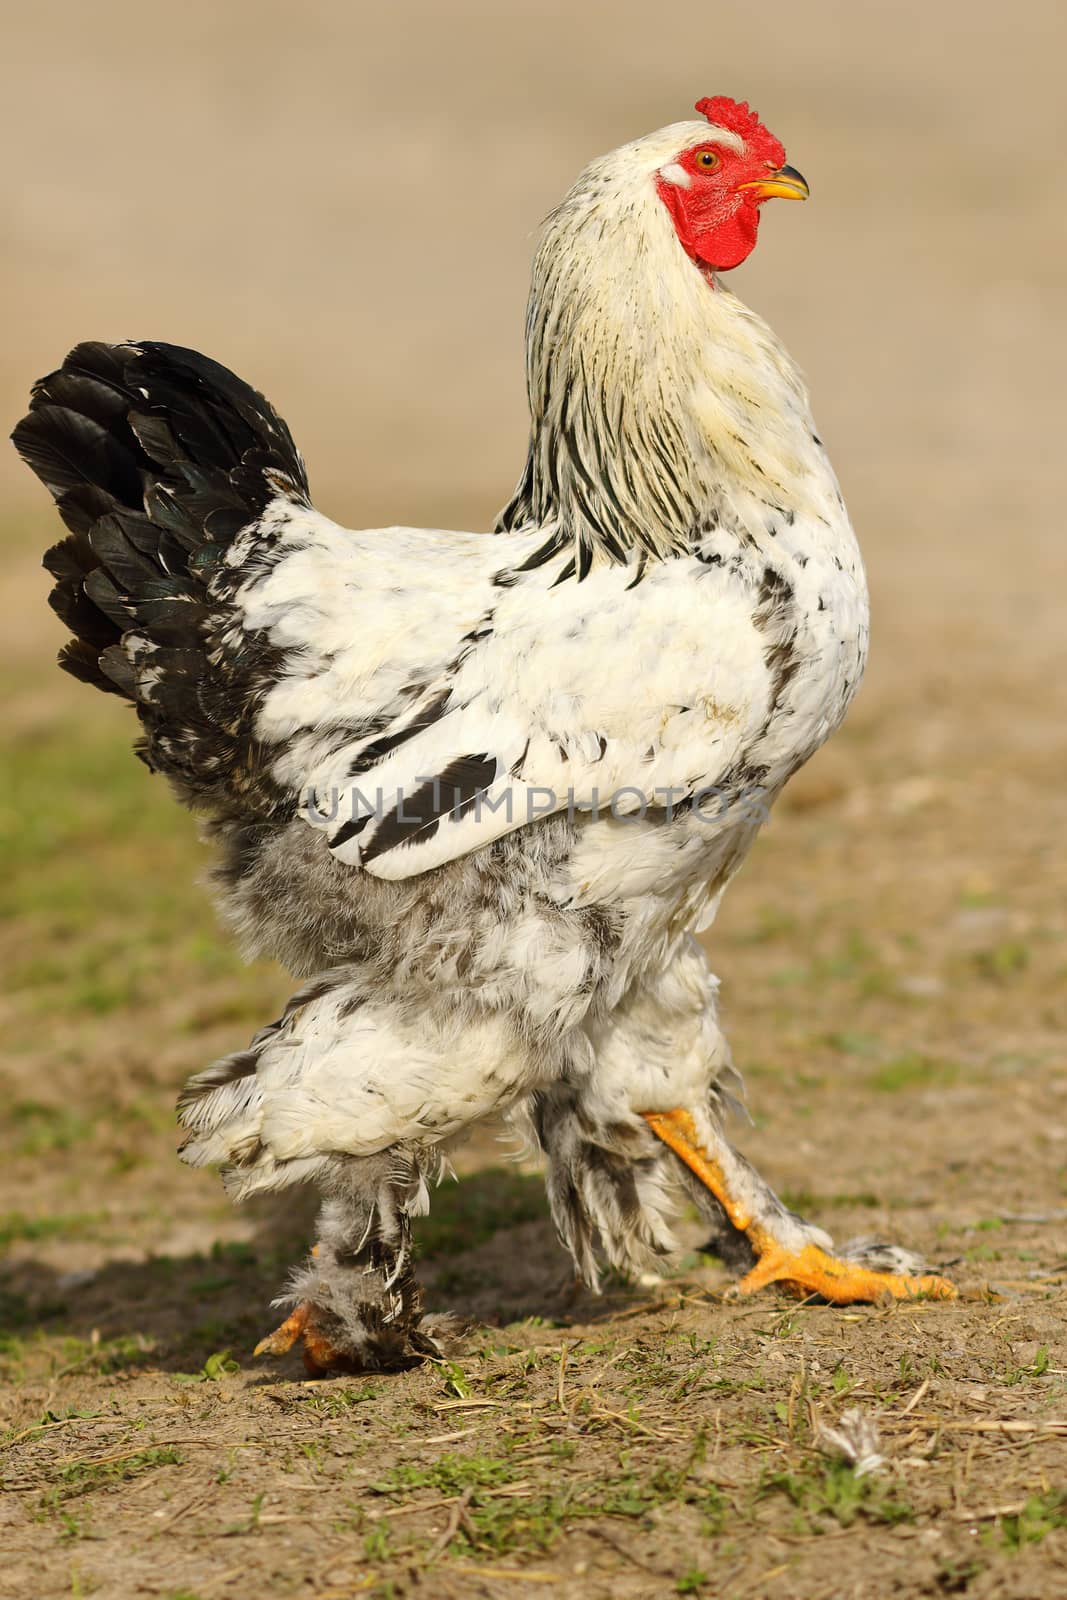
{"x": 658, "y": 400}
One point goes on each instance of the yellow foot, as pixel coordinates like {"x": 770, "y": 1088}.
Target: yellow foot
{"x": 811, "y": 1270}
{"x": 319, "y": 1354}
{"x": 752, "y": 1209}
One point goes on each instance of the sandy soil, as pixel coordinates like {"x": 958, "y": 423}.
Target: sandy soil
{"x": 339, "y": 201}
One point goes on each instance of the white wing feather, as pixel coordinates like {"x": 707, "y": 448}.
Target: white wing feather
{"x": 411, "y": 661}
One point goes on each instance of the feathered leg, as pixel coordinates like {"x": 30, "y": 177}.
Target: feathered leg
{"x": 356, "y": 1306}
{"x": 606, "y": 1189}
{"x": 362, "y": 1100}
{"x": 661, "y": 1063}
{"x": 786, "y": 1249}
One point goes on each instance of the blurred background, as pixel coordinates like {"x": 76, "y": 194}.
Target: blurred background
{"x": 340, "y": 201}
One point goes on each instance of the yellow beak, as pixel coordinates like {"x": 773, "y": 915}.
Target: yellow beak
{"x": 785, "y": 184}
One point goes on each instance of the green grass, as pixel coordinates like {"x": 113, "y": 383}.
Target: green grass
{"x": 498, "y": 1523}
{"x": 833, "y": 1493}
{"x": 851, "y": 1043}
{"x": 63, "y": 1353}
{"x": 1041, "y": 1515}
{"x": 15, "y": 1227}
{"x": 37, "y": 1129}
{"x": 1037, "y": 1368}
{"x": 912, "y": 1072}
{"x": 219, "y": 1365}
{"x": 83, "y": 1477}
{"x": 77, "y": 1478}
{"x": 1002, "y": 962}
{"x": 72, "y": 788}
{"x": 334, "y": 1400}
{"x": 808, "y": 1203}
{"x": 101, "y": 870}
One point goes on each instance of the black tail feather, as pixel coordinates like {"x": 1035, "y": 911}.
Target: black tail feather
{"x": 157, "y": 457}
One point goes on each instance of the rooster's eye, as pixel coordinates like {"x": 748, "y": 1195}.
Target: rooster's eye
{"x": 707, "y": 160}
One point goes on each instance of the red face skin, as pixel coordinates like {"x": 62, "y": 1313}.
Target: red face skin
{"x": 716, "y": 218}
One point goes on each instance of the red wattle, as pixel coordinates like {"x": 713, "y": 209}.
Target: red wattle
{"x": 719, "y": 244}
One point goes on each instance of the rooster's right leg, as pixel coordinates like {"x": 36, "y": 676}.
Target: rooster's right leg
{"x": 355, "y": 1306}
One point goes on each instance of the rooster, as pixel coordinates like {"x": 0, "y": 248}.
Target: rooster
{"x": 481, "y": 792}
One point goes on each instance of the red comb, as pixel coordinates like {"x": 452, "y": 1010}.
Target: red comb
{"x": 737, "y": 118}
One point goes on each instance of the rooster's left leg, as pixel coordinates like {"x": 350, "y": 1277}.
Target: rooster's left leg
{"x": 787, "y": 1250}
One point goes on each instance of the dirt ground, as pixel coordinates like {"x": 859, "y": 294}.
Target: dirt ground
{"x": 894, "y": 958}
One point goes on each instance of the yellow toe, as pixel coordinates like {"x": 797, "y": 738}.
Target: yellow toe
{"x": 286, "y": 1334}
{"x": 813, "y": 1271}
